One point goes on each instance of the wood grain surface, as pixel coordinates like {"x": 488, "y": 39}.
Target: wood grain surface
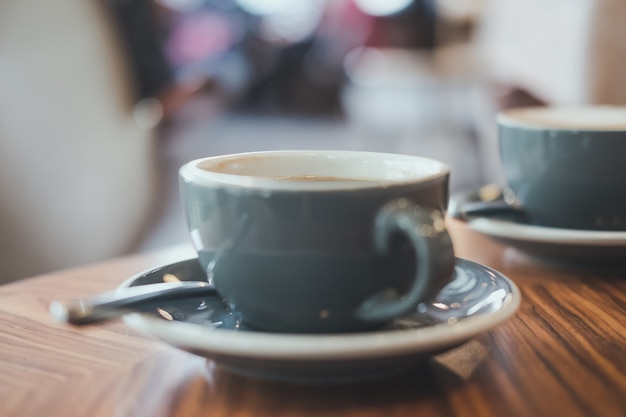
{"x": 562, "y": 354}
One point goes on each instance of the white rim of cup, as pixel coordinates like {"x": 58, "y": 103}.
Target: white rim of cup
{"x": 431, "y": 169}
{"x": 506, "y": 118}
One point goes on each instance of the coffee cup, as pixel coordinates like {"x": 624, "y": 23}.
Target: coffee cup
{"x": 319, "y": 241}
{"x": 566, "y": 166}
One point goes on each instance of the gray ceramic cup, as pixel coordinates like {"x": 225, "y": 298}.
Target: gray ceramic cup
{"x": 320, "y": 241}
{"x": 567, "y": 166}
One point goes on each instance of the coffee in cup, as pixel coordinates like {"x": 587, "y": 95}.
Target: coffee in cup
{"x": 566, "y": 166}
{"x": 320, "y": 241}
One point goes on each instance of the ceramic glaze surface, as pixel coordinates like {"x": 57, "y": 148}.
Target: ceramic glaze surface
{"x": 477, "y": 299}
{"x": 567, "y": 177}
{"x": 312, "y": 251}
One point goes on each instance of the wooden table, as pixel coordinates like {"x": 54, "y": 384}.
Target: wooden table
{"x": 563, "y": 354}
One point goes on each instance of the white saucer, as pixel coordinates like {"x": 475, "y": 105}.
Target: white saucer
{"x": 556, "y": 245}
{"x": 547, "y": 244}
{"x": 478, "y": 299}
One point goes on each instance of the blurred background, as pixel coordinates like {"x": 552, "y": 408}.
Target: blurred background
{"x": 102, "y": 100}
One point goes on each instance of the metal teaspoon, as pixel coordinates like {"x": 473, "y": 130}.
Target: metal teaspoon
{"x": 110, "y": 305}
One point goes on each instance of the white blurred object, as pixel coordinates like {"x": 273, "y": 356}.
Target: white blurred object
{"x": 400, "y": 92}
{"x": 292, "y": 22}
{"x": 565, "y": 52}
{"x": 389, "y": 91}
{"x": 382, "y": 7}
{"x": 76, "y": 171}
{"x": 285, "y": 21}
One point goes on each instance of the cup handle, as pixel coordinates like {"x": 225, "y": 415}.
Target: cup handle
{"x": 426, "y": 231}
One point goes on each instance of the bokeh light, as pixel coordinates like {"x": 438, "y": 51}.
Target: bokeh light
{"x": 382, "y": 7}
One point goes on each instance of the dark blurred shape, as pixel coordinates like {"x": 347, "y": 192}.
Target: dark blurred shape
{"x": 144, "y": 33}
{"x": 276, "y": 57}
{"x": 509, "y": 97}
{"x": 143, "y": 36}
{"x": 306, "y": 77}
{"x": 411, "y": 28}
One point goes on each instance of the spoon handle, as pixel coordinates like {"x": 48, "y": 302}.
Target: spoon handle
{"x": 110, "y": 305}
